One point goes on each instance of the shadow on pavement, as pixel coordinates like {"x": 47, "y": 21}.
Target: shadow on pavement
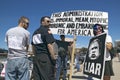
{"x": 80, "y": 77}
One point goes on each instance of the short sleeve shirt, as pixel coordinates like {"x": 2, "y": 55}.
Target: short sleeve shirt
{"x": 17, "y": 39}
{"x": 41, "y": 38}
{"x": 63, "y": 44}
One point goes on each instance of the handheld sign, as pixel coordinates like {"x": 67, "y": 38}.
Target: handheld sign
{"x": 77, "y": 22}
{"x": 94, "y": 62}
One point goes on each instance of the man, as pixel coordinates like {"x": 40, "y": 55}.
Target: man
{"x": 44, "y": 60}
{"x": 18, "y": 39}
{"x": 61, "y": 62}
{"x": 94, "y": 50}
{"x": 97, "y": 30}
{"x": 77, "y": 62}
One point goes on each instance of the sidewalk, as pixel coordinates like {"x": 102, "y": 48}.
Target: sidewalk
{"x": 116, "y": 68}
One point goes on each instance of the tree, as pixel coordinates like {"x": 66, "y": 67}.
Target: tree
{"x": 83, "y": 50}
{"x": 3, "y": 50}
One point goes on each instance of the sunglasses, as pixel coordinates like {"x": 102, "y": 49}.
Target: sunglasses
{"x": 97, "y": 28}
{"x": 48, "y": 21}
{"x": 27, "y": 23}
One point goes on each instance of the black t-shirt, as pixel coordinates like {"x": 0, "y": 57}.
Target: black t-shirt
{"x": 62, "y": 47}
{"x": 41, "y": 37}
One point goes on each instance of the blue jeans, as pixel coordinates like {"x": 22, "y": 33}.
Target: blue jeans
{"x": 77, "y": 65}
{"x": 17, "y": 69}
{"x": 61, "y": 64}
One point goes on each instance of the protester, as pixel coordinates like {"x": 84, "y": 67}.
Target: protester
{"x": 97, "y": 30}
{"x": 78, "y": 62}
{"x": 44, "y": 59}
{"x": 61, "y": 62}
{"x": 18, "y": 39}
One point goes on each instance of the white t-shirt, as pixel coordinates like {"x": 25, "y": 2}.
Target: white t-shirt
{"x": 17, "y": 39}
{"x": 107, "y": 56}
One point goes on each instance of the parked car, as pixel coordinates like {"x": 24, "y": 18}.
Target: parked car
{"x": 1, "y": 67}
{"x": 30, "y": 58}
{"x": 2, "y": 73}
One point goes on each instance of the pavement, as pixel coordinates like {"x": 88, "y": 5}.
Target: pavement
{"x": 116, "y": 68}
{"x": 81, "y": 76}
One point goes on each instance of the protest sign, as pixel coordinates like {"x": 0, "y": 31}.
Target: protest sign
{"x": 77, "y": 22}
{"x": 94, "y": 62}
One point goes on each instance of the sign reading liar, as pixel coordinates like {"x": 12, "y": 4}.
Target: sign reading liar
{"x": 94, "y": 62}
{"x": 77, "y": 22}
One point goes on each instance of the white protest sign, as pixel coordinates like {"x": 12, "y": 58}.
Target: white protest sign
{"x": 77, "y": 22}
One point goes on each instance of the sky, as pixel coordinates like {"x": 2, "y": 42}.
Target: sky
{"x": 12, "y": 10}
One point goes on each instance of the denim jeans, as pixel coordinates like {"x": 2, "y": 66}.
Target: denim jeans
{"x": 17, "y": 69}
{"x": 61, "y": 65}
{"x": 77, "y": 64}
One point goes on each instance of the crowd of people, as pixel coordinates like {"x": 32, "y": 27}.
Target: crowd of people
{"x": 46, "y": 64}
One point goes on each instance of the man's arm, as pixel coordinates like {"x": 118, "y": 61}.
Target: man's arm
{"x": 51, "y": 50}
{"x": 33, "y": 49}
{"x": 28, "y": 42}
{"x": 27, "y": 47}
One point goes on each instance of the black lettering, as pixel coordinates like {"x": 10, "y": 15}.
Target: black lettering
{"x": 70, "y": 25}
{"x": 72, "y": 32}
{"x": 56, "y": 15}
{"x": 98, "y": 13}
{"x": 61, "y": 31}
{"x": 99, "y": 20}
{"x": 64, "y": 20}
{"x": 84, "y": 32}
{"x": 81, "y": 19}
{"x": 59, "y": 25}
